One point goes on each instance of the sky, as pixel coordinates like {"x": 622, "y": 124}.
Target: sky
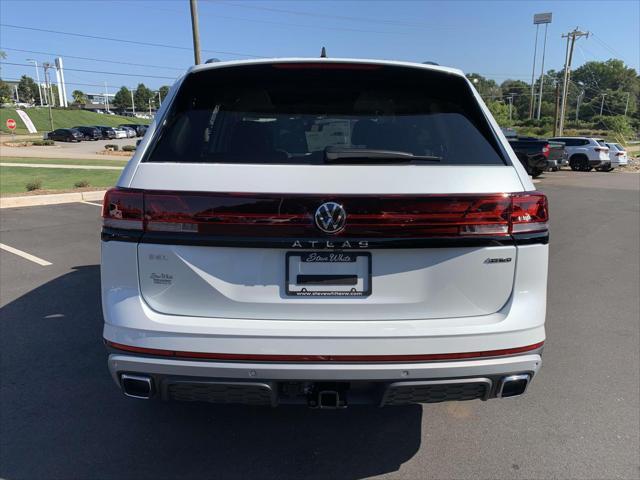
{"x": 493, "y": 38}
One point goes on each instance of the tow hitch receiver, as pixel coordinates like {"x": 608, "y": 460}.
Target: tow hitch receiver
{"x": 328, "y": 396}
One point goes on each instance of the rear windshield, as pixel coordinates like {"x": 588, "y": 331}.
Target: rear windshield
{"x": 296, "y": 113}
{"x": 601, "y": 142}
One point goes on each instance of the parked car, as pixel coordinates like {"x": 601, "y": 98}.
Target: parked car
{"x": 585, "y": 153}
{"x": 120, "y": 132}
{"x": 66, "y": 135}
{"x": 90, "y": 133}
{"x": 140, "y": 129}
{"x": 617, "y": 155}
{"x": 108, "y": 133}
{"x": 538, "y": 155}
{"x": 131, "y": 133}
{"x": 255, "y": 257}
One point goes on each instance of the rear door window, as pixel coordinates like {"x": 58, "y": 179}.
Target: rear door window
{"x": 296, "y": 113}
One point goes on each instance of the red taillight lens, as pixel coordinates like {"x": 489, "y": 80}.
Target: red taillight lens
{"x": 545, "y": 151}
{"x": 620, "y": 154}
{"x": 601, "y": 149}
{"x": 273, "y": 215}
{"x": 529, "y": 212}
{"x": 123, "y": 209}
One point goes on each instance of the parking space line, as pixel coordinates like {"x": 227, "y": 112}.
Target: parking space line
{"x": 24, "y": 255}
{"x": 91, "y": 203}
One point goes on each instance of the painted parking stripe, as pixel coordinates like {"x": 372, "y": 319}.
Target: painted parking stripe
{"x": 25, "y": 255}
{"x": 91, "y": 203}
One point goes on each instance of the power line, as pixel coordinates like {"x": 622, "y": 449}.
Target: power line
{"x": 339, "y": 17}
{"x": 97, "y": 71}
{"x": 95, "y": 59}
{"x": 122, "y": 40}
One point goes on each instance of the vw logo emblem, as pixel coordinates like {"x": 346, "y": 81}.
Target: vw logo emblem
{"x": 331, "y": 217}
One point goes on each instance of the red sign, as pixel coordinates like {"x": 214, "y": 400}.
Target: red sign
{"x": 11, "y": 124}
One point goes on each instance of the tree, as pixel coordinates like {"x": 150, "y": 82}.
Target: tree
{"x": 142, "y": 96}
{"x": 164, "y": 91}
{"x": 5, "y": 92}
{"x": 500, "y": 112}
{"x": 487, "y": 88}
{"x": 122, "y": 99}
{"x": 79, "y": 97}
{"x": 27, "y": 89}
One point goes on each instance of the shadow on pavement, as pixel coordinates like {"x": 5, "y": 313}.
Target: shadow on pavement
{"x": 61, "y": 415}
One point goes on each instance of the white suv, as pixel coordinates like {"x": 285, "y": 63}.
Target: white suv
{"x": 586, "y": 153}
{"x": 324, "y": 232}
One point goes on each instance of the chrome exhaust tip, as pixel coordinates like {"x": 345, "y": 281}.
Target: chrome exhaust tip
{"x": 136, "y": 386}
{"x": 513, "y": 385}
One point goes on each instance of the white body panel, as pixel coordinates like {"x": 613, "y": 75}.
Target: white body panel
{"x": 230, "y": 300}
{"x": 617, "y": 156}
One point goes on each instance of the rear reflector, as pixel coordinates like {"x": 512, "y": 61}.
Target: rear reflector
{"x": 280, "y": 216}
{"x": 241, "y": 357}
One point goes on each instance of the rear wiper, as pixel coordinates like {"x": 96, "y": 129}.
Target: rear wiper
{"x": 334, "y": 154}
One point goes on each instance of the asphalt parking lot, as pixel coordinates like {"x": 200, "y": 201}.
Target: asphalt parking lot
{"x": 62, "y": 417}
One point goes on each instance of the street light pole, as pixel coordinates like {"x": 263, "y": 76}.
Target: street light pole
{"x": 544, "y": 48}
{"x": 578, "y": 104}
{"x": 195, "y": 30}
{"x": 133, "y": 105}
{"x": 37, "y": 79}
{"x": 46, "y": 66}
{"x": 626, "y": 107}
{"x": 533, "y": 73}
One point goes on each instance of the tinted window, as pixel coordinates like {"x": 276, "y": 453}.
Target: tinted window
{"x": 291, "y": 113}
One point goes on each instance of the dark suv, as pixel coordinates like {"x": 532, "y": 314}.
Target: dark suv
{"x": 90, "y": 133}
{"x": 66, "y": 135}
{"x": 107, "y": 132}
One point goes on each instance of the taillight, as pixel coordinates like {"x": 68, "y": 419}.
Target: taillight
{"x": 620, "y": 154}
{"x": 282, "y": 216}
{"x": 545, "y": 151}
{"x": 529, "y": 212}
{"x": 123, "y": 209}
{"x": 601, "y": 149}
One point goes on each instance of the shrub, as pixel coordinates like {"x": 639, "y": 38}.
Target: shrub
{"x": 128, "y": 148}
{"x": 34, "y": 185}
{"x": 42, "y": 143}
{"x": 81, "y": 184}
{"x": 111, "y": 146}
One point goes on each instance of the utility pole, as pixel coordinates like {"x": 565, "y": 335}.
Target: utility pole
{"x": 571, "y": 40}
{"x": 17, "y": 96}
{"x": 196, "y": 31}
{"x": 37, "y": 79}
{"x": 555, "y": 114}
{"x": 626, "y": 107}
{"x": 159, "y": 99}
{"x": 133, "y": 105}
{"x": 602, "y": 103}
{"x": 46, "y": 66}
{"x": 149, "y": 107}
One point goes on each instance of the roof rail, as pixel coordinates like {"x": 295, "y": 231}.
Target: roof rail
{"x": 212, "y": 60}
{"x": 430, "y": 63}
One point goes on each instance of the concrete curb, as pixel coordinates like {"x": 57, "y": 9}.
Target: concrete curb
{"x": 53, "y": 199}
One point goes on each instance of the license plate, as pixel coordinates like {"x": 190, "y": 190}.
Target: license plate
{"x": 328, "y": 274}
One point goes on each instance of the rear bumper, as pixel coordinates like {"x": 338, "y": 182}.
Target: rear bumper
{"x": 295, "y": 383}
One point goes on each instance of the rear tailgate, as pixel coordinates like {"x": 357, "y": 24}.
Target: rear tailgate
{"x": 232, "y": 185}
{"x": 244, "y": 274}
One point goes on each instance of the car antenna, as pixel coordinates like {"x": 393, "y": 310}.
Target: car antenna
{"x": 323, "y": 53}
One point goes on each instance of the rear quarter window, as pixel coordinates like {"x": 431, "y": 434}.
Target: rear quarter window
{"x": 292, "y": 113}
